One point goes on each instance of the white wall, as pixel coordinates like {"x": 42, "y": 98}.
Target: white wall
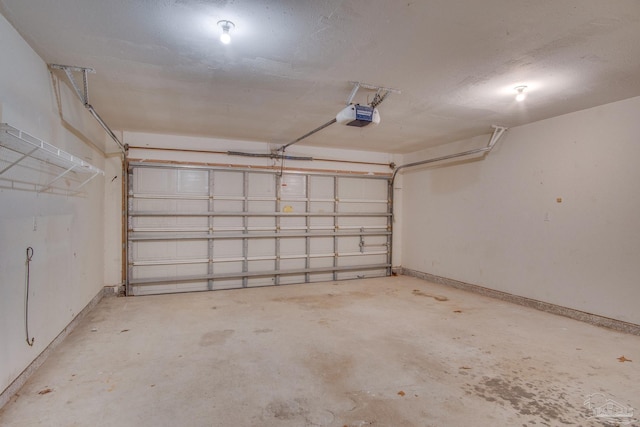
{"x": 67, "y": 238}
{"x": 497, "y": 222}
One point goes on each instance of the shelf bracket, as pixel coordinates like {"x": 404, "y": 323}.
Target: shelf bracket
{"x": 86, "y": 181}
{"x": 57, "y": 178}
{"x": 19, "y": 160}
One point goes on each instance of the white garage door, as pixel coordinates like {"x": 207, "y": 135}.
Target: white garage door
{"x": 198, "y": 228}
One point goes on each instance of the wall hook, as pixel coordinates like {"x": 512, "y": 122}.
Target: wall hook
{"x": 26, "y": 303}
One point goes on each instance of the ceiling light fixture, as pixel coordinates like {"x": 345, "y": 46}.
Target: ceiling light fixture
{"x": 521, "y": 95}
{"x": 226, "y": 26}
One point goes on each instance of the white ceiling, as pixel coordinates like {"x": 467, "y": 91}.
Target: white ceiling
{"x": 161, "y": 68}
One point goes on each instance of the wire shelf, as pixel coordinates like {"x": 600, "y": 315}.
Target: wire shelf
{"x": 28, "y": 163}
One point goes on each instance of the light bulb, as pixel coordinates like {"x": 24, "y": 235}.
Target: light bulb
{"x": 521, "y": 95}
{"x": 226, "y": 27}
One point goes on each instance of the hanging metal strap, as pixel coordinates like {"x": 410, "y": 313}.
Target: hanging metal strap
{"x": 83, "y": 94}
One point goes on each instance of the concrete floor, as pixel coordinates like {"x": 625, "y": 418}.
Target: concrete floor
{"x": 395, "y": 351}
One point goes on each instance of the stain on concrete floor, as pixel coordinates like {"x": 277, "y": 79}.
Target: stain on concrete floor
{"x": 215, "y": 337}
{"x": 418, "y": 292}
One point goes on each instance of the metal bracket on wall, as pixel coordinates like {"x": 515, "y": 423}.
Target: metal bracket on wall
{"x": 83, "y": 94}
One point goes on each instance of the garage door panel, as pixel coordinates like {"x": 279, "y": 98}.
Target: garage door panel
{"x": 320, "y": 277}
{"x": 321, "y": 245}
{"x": 348, "y": 244}
{"x": 228, "y": 183}
{"x": 356, "y": 260}
{"x": 222, "y": 205}
{"x": 261, "y": 206}
{"x": 261, "y": 224}
{"x": 351, "y": 206}
{"x": 227, "y": 223}
{"x": 293, "y": 246}
{"x": 358, "y": 222}
{"x": 257, "y": 282}
{"x": 319, "y": 224}
{"x": 321, "y": 187}
{"x": 321, "y": 262}
{"x": 375, "y": 243}
{"x": 155, "y": 205}
{"x": 219, "y": 284}
{"x": 192, "y": 182}
{"x": 178, "y": 270}
{"x": 172, "y": 289}
{"x": 170, "y": 250}
{"x": 261, "y": 266}
{"x": 292, "y": 279}
{"x": 149, "y": 272}
{"x": 171, "y": 181}
{"x": 361, "y": 188}
{"x": 152, "y": 251}
{"x": 227, "y": 248}
{"x": 293, "y": 186}
{"x": 321, "y": 207}
{"x": 156, "y": 289}
{"x": 200, "y": 205}
{"x": 293, "y": 223}
{"x": 293, "y": 207}
{"x": 191, "y": 269}
{"x": 262, "y": 185}
{"x": 228, "y": 267}
{"x": 261, "y": 247}
{"x": 162, "y": 222}
{"x": 366, "y": 274}
{"x": 204, "y": 228}
{"x": 292, "y": 264}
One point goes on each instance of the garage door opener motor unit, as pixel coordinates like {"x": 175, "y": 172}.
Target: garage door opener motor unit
{"x": 358, "y": 115}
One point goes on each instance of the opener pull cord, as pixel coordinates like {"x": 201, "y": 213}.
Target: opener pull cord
{"x": 26, "y": 308}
